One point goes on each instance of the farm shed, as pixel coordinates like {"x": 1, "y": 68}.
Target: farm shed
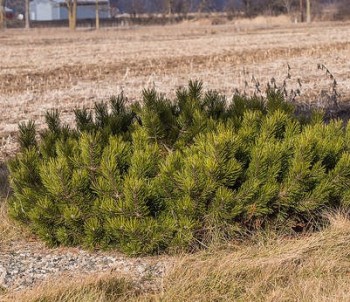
{"x": 50, "y": 10}
{"x": 9, "y": 13}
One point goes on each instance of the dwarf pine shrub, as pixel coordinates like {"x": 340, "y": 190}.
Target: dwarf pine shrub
{"x": 164, "y": 175}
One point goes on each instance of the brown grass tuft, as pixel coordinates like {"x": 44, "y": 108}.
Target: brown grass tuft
{"x": 311, "y": 268}
{"x": 4, "y": 184}
{"x": 93, "y": 288}
{"x": 9, "y": 230}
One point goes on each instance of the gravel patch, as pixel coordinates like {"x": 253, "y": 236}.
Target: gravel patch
{"x": 26, "y": 265}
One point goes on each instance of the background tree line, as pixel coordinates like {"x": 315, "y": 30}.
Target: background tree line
{"x": 249, "y": 8}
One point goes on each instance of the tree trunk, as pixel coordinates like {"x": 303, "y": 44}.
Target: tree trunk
{"x": 170, "y": 7}
{"x": 301, "y": 11}
{"x": 201, "y": 7}
{"x": 75, "y": 4}
{"x": 287, "y": 4}
{"x": 2, "y": 14}
{"x": 97, "y": 15}
{"x": 308, "y": 11}
{"x": 26, "y": 14}
{"x": 247, "y": 7}
{"x": 72, "y": 13}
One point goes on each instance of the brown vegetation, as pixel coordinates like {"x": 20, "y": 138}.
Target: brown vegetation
{"x": 311, "y": 268}
{"x": 44, "y": 69}
{"x": 9, "y": 230}
{"x": 93, "y": 288}
{"x": 270, "y": 268}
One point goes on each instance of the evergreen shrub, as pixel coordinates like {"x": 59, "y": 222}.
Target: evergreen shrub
{"x": 165, "y": 175}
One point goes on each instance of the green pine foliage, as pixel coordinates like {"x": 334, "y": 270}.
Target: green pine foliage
{"x": 169, "y": 175}
{"x": 27, "y": 134}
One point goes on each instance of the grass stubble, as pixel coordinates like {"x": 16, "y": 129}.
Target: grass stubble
{"x": 46, "y": 68}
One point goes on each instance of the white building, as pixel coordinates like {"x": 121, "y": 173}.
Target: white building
{"x": 49, "y": 10}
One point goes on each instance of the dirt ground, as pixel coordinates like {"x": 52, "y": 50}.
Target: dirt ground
{"x": 55, "y": 68}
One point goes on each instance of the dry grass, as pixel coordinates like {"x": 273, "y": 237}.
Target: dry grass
{"x": 10, "y": 231}
{"x": 7, "y": 229}
{"x": 94, "y": 288}
{"x": 313, "y": 267}
{"x": 43, "y": 69}
{"x": 4, "y": 184}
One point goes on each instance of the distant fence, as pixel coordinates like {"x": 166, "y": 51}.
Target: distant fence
{"x": 112, "y": 22}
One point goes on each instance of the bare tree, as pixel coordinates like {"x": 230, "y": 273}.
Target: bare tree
{"x": 170, "y": 6}
{"x": 301, "y": 3}
{"x": 231, "y": 6}
{"x": 308, "y": 11}
{"x": 247, "y": 7}
{"x": 204, "y": 5}
{"x": 72, "y": 13}
{"x": 26, "y": 14}
{"x": 181, "y": 7}
{"x": 281, "y": 6}
{"x": 97, "y": 15}
{"x": 287, "y": 4}
{"x": 2, "y": 14}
